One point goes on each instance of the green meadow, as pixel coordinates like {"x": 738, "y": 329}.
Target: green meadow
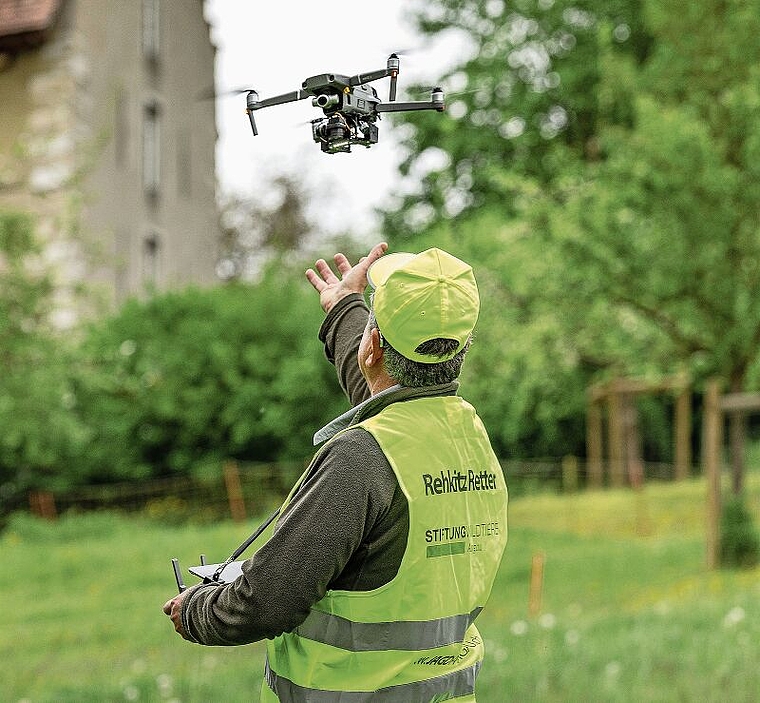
{"x": 628, "y": 611}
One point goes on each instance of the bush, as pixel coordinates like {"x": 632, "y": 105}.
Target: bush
{"x": 179, "y": 383}
{"x": 739, "y": 541}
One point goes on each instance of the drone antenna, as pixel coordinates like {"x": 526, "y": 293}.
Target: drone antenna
{"x": 251, "y": 100}
{"x": 393, "y": 69}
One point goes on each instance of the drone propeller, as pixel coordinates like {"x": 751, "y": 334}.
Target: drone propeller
{"x": 211, "y": 93}
{"x": 409, "y": 51}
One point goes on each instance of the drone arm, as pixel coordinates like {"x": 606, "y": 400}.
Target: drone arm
{"x": 436, "y": 102}
{"x": 280, "y": 99}
{"x": 253, "y": 103}
{"x": 408, "y": 107}
{"x": 362, "y": 78}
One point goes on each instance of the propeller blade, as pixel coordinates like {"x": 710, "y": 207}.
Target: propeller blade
{"x": 406, "y": 52}
{"x": 211, "y": 93}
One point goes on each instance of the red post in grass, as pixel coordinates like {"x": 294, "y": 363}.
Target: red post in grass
{"x": 536, "y": 583}
{"x": 42, "y": 504}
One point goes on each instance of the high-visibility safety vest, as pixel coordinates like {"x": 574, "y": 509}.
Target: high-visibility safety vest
{"x": 414, "y": 638}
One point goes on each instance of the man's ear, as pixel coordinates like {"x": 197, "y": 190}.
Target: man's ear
{"x": 375, "y": 352}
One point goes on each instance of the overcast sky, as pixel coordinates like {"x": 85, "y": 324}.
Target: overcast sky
{"x": 273, "y": 47}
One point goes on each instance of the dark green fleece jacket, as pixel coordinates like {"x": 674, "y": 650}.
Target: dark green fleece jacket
{"x": 345, "y": 528}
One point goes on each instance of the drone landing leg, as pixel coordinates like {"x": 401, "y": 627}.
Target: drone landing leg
{"x": 253, "y": 122}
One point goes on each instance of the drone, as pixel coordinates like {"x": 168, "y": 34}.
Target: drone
{"x": 351, "y": 107}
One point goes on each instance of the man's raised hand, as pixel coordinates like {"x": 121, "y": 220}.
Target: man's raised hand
{"x": 353, "y": 279}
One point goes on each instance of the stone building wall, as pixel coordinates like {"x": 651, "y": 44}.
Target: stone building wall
{"x": 73, "y": 122}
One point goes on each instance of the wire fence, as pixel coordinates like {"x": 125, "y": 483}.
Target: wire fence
{"x": 240, "y": 491}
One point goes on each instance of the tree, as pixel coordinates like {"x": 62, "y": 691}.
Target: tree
{"x": 527, "y": 120}
{"x": 254, "y": 231}
{"x": 39, "y": 435}
{"x": 533, "y": 84}
{"x": 629, "y": 223}
{"x": 665, "y": 225}
{"x": 181, "y": 382}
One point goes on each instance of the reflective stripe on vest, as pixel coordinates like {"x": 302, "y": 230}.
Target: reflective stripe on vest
{"x": 453, "y": 685}
{"x": 405, "y": 635}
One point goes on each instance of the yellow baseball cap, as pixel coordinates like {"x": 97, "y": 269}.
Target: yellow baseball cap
{"x": 419, "y": 297}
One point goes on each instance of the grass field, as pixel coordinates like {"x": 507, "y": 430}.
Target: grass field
{"x": 628, "y": 613}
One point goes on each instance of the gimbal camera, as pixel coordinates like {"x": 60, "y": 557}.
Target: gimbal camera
{"x": 350, "y": 106}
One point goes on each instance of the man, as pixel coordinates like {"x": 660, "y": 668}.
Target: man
{"x": 386, "y": 550}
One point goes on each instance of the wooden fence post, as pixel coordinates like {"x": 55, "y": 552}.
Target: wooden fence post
{"x": 615, "y": 420}
{"x": 682, "y": 452}
{"x": 594, "y": 443}
{"x": 713, "y": 441}
{"x": 234, "y": 491}
{"x": 569, "y": 474}
{"x": 632, "y": 444}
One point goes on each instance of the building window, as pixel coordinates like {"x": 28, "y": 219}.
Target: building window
{"x": 184, "y": 163}
{"x": 151, "y": 29}
{"x": 151, "y": 149}
{"x": 121, "y": 129}
{"x": 151, "y": 259}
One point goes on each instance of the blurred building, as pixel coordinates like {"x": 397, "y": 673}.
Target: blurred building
{"x": 102, "y": 136}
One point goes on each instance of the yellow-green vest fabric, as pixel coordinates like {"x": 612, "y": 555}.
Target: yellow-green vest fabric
{"x": 414, "y": 638}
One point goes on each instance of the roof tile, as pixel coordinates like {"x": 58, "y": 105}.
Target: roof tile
{"x": 20, "y": 16}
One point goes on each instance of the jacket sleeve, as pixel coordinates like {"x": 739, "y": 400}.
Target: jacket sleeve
{"x": 320, "y": 531}
{"x": 341, "y": 333}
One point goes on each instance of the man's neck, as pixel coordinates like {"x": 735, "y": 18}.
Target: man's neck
{"x": 379, "y": 382}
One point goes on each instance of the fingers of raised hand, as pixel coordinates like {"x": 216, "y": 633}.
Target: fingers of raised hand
{"x": 343, "y": 264}
{"x": 324, "y": 270}
{"x": 366, "y": 261}
{"x": 323, "y": 277}
{"x": 375, "y": 253}
{"x": 315, "y": 280}
{"x": 352, "y": 278}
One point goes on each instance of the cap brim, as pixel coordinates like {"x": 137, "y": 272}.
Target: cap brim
{"x": 379, "y": 272}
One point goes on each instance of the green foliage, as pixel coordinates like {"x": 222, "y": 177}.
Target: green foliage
{"x": 601, "y": 174}
{"x": 739, "y": 538}
{"x": 171, "y": 385}
{"x": 185, "y": 380}
{"x": 39, "y": 435}
{"x": 536, "y": 79}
